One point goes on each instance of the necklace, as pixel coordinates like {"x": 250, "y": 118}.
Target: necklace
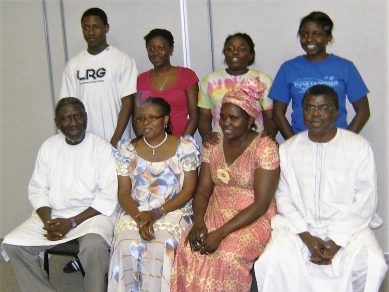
{"x": 156, "y": 146}
{"x": 161, "y": 86}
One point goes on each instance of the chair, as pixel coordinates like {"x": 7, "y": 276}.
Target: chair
{"x": 70, "y": 248}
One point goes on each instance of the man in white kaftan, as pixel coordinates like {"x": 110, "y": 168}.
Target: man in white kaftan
{"x": 73, "y": 191}
{"x": 326, "y": 199}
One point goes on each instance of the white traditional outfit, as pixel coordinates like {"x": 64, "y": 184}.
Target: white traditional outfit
{"x": 69, "y": 179}
{"x": 100, "y": 82}
{"x": 329, "y": 190}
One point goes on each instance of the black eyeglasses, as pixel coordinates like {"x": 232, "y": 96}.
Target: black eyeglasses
{"x": 149, "y": 119}
{"x": 324, "y": 108}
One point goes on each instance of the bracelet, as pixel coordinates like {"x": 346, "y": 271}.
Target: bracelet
{"x": 73, "y": 222}
{"x": 156, "y": 212}
{"x": 162, "y": 210}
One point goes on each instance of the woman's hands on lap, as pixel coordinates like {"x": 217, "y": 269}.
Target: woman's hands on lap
{"x": 211, "y": 243}
{"x": 197, "y": 235}
{"x": 145, "y": 221}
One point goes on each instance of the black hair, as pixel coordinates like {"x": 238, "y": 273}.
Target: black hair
{"x": 248, "y": 40}
{"x": 68, "y": 100}
{"x": 165, "y": 106}
{"x": 320, "y": 18}
{"x": 96, "y": 12}
{"x": 164, "y": 33}
{"x": 322, "y": 89}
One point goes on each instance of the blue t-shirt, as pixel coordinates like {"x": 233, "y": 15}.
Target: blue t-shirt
{"x": 296, "y": 75}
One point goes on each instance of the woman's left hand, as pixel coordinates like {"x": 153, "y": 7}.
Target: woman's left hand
{"x": 145, "y": 217}
{"x": 211, "y": 242}
{"x": 147, "y": 232}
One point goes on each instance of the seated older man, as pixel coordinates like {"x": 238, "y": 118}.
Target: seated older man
{"x": 73, "y": 191}
{"x": 326, "y": 199}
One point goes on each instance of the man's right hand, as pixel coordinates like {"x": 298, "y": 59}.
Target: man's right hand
{"x": 57, "y": 228}
{"x": 317, "y": 247}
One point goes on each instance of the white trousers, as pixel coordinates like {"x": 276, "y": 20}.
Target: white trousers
{"x": 285, "y": 266}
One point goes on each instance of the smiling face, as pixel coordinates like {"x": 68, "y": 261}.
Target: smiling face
{"x": 237, "y": 55}
{"x": 234, "y": 121}
{"x": 159, "y": 51}
{"x": 320, "y": 114}
{"x": 94, "y": 31}
{"x": 71, "y": 120}
{"x": 314, "y": 40}
{"x": 151, "y": 121}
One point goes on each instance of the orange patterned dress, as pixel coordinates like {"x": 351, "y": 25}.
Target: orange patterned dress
{"x": 228, "y": 268}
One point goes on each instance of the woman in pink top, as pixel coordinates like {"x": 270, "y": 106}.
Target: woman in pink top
{"x": 177, "y": 85}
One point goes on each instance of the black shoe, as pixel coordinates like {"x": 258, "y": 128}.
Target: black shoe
{"x": 72, "y": 266}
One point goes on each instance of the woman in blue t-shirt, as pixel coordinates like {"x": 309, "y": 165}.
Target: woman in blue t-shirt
{"x": 295, "y": 76}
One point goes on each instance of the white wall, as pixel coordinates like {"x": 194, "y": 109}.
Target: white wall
{"x": 361, "y": 35}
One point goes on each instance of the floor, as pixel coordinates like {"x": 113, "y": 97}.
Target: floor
{"x": 62, "y": 281}
{"x": 69, "y": 282}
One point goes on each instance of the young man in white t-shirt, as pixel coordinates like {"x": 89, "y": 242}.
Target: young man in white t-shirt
{"x": 104, "y": 78}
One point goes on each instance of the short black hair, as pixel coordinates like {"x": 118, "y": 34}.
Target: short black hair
{"x": 68, "y": 100}
{"x": 248, "y": 40}
{"x": 96, "y": 12}
{"x": 320, "y": 18}
{"x": 166, "y": 109}
{"x": 164, "y": 33}
{"x": 322, "y": 89}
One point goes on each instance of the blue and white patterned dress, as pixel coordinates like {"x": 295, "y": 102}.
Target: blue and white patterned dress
{"x": 137, "y": 264}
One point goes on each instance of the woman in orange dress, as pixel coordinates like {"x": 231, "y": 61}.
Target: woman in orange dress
{"x": 233, "y": 205}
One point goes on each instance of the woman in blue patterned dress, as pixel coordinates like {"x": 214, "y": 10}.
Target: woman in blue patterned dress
{"x": 157, "y": 175}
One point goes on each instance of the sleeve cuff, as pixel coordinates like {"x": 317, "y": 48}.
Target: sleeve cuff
{"x": 40, "y": 202}
{"x": 340, "y": 238}
{"x": 104, "y": 206}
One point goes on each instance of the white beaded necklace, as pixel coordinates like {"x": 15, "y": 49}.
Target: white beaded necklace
{"x": 156, "y": 146}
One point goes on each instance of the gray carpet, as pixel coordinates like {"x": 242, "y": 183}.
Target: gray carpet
{"x": 68, "y": 282}
{"x": 62, "y": 281}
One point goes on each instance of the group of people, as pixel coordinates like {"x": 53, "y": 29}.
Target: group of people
{"x": 147, "y": 221}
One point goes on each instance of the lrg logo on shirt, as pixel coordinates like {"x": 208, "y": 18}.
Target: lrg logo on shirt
{"x": 91, "y": 74}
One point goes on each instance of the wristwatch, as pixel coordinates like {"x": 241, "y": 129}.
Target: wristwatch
{"x": 73, "y": 222}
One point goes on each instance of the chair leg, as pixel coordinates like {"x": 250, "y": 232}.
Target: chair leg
{"x": 46, "y": 262}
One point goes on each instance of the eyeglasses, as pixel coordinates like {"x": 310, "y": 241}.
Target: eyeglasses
{"x": 324, "y": 108}
{"x": 79, "y": 117}
{"x": 149, "y": 119}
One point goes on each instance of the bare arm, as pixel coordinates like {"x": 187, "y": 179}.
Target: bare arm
{"x": 124, "y": 195}
{"x": 279, "y": 111}
{"x": 191, "y": 100}
{"x": 265, "y": 184}
{"x": 85, "y": 215}
{"x": 186, "y": 193}
{"x": 269, "y": 124}
{"x": 44, "y": 213}
{"x": 205, "y": 122}
{"x": 203, "y": 192}
{"x": 123, "y": 118}
{"x": 57, "y": 228}
{"x": 134, "y": 114}
{"x": 362, "y": 114}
